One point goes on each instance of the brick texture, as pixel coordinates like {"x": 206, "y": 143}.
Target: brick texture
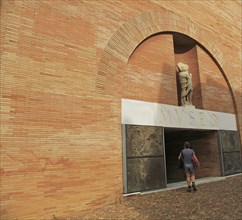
{"x": 216, "y": 93}
{"x": 153, "y": 62}
{"x": 65, "y": 65}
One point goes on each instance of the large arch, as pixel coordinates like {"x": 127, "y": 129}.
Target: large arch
{"x": 130, "y": 34}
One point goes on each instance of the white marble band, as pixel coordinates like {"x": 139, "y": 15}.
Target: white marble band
{"x": 154, "y": 114}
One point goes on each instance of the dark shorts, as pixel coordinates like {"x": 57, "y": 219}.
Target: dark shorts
{"x": 188, "y": 168}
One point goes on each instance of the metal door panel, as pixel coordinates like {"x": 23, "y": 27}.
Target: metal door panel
{"x": 144, "y": 158}
{"x": 230, "y": 152}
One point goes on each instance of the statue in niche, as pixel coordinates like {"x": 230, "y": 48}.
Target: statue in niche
{"x": 185, "y": 79}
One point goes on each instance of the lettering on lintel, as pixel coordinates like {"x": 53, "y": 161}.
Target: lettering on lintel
{"x": 188, "y": 117}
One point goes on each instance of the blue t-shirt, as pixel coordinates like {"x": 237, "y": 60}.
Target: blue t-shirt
{"x": 187, "y": 155}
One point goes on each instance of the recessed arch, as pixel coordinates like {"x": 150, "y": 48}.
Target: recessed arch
{"x": 124, "y": 41}
{"x": 130, "y": 34}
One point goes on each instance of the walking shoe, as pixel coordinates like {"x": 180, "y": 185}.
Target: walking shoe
{"x": 189, "y": 189}
{"x": 194, "y": 187}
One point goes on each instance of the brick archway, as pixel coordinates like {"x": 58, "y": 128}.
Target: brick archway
{"x": 124, "y": 41}
{"x": 132, "y": 33}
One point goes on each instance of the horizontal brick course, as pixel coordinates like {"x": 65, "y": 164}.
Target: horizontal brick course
{"x": 65, "y": 65}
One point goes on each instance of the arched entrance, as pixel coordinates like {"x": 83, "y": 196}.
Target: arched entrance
{"x": 151, "y": 144}
{"x": 134, "y": 67}
{"x": 122, "y": 44}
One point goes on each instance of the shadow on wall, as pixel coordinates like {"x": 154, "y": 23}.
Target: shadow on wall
{"x": 172, "y": 90}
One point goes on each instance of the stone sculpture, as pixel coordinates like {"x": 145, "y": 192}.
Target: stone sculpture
{"x": 185, "y": 79}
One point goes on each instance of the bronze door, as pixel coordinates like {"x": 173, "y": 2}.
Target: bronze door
{"x": 145, "y": 158}
{"x": 230, "y": 152}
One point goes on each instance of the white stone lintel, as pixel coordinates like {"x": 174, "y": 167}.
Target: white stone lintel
{"x": 154, "y": 114}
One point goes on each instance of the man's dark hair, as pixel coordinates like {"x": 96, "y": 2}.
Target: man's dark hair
{"x": 186, "y": 145}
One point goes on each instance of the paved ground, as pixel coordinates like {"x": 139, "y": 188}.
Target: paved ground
{"x": 215, "y": 200}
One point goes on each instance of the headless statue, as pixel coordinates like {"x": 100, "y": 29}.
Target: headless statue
{"x": 185, "y": 79}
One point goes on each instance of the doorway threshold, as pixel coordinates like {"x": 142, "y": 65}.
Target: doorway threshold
{"x": 182, "y": 184}
{"x": 198, "y": 181}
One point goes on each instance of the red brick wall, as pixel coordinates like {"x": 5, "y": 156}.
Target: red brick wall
{"x": 207, "y": 150}
{"x": 60, "y": 134}
{"x": 150, "y": 74}
{"x": 216, "y": 95}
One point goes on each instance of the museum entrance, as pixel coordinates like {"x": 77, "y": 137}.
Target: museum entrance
{"x": 150, "y": 155}
{"x": 205, "y": 144}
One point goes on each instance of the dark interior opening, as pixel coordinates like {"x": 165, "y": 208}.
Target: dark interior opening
{"x": 205, "y": 145}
